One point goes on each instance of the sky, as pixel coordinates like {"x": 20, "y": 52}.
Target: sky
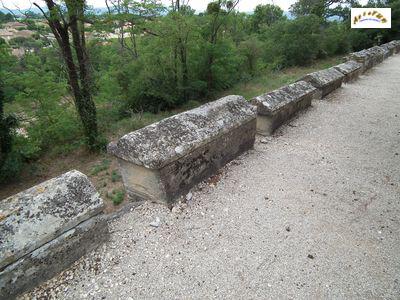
{"x": 199, "y": 5}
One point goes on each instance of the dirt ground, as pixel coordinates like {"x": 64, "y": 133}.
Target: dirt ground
{"x": 101, "y": 169}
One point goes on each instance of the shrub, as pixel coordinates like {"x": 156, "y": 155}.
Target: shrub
{"x": 117, "y": 196}
{"x": 11, "y": 167}
{"x": 335, "y": 39}
{"x": 293, "y": 42}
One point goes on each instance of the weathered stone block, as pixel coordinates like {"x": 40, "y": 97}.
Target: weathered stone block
{"x": 390, "y": 48}
{"x": 32, "y": 219}
{"x": 396, "y": 44}
{"x": 326, "y": 81}
{"x": 351, "y": 70}
{"x": 279, "y": 106}
{"x": 52, "y": 258}
{"x": 377, "y": 53}
{"x": 363, "y": 57}
{"x": 165, "y": 160}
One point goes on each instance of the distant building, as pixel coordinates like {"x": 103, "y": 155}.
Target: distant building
{"x": 12, "y": 30}
{"x": 14, "y": 25}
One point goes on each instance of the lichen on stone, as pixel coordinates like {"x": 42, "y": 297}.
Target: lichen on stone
{"x": 270, "y": 103}
{"x": 348, "y": 67}
{"x": 41, "y": 213}
{"x": 156, "y": 145}
{"x": 323, "y": 78}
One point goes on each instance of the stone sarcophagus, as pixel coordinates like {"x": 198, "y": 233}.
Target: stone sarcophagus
{"x": 279, "y": 106}
{"x": 350, "y": 69}
{"x": 389, "y": 48}
{"x": 165, "y": 160}
{"x": 45, "y": 229}
{"x": 326, "y": 81}
{"x": 363, "y": 57}
{"x": 378, "y": 54}
{"x": 396, "y": 45}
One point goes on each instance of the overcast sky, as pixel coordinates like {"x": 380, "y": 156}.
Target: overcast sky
{"x": 199, "y": 5}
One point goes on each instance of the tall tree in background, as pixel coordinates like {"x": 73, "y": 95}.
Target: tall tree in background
{"x": 7, "y": 122}
{"x": 180, "y": 14}
{"x": 130, "y": 17}
{"x": 67, "y": 22}
{"x": 267, "y": 15}
{"x": 217, "y": 11}
{"x": 320, "y": 8}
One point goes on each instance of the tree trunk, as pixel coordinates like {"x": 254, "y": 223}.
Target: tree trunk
{"x": 210, "y": 77}
{"x": 6, "y": 125}
{"x": 85, "y": 102}
{"x": 185, "y": 70}
{"x": 79, "y": 78}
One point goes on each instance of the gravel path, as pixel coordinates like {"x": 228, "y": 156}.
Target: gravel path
{"x": 313, "y": 212}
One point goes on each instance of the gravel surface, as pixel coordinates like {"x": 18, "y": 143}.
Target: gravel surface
{"x": 312, "y": 212}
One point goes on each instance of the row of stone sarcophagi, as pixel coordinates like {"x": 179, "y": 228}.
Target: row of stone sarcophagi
{"x": 46, "y": 228}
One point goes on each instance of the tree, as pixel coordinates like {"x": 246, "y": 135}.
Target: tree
{"x": 180, "y": 16}
{"x": 4, "y": 18}
{"x": 217, "y": 12}
{"x": 67, "y": 22}
{"x": 7, "y": 122}
{"x": 294, "y": 42}
{"x": 320, "y": 8}
{"x": 251, "y": 50}
{"x": 130, "y": 18}
{"x": 267, "y": 15}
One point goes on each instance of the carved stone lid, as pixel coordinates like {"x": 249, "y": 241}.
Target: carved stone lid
{"x": 36, "y": 216}
{"x": 163, "y": 142}
{"x": 270, "y": 103}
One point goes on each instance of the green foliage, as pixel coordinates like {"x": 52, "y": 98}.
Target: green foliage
{"x": 53, "y": 123}
{"x": 4, "y": 18}
{"x": 296, "y": 42}
{"x": 103, "y": 166}
{"x": 251, "y": 49}
{"x": 148, "y": 63}
{"x": 336, "y": 39}
{"x": 29, "y": 43}
{"x": 10, "y": 165}
{"x": 266, "y": 15}
{"x": 117, "y": 196}
{"x": 115, "y": 176}
{"x": 320, "y": 8}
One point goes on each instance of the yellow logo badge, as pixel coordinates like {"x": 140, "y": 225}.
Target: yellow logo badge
{"x": 371, "y": 17}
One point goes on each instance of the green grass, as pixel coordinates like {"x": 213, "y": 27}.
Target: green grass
{"x": 140, "y": 120}
{"x": 254, "y": 87}
{"x": 117, "y": 196}
{"x": 103, "y": 166}
{"x": 115, "y": 176}
{"x": 273, "y": 80}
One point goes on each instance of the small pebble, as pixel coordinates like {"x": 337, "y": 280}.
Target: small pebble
{"x": 156, "y": 223}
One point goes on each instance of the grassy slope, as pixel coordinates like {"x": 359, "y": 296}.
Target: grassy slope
{"x": 103, "y": 170}
{"x": 274, "y": 80}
